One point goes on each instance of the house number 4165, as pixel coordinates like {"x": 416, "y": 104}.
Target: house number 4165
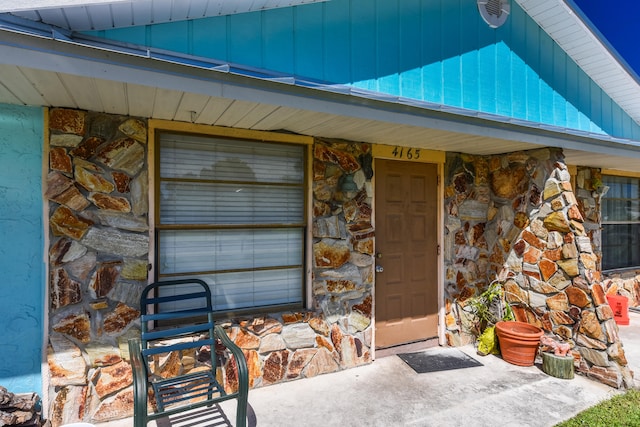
{"x": 406, "y": 153}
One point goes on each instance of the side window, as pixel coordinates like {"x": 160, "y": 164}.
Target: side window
{"x": 621, "y": 223}
{"x": 231, "y": 212}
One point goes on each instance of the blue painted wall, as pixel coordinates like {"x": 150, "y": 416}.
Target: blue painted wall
{"x": 22, "y": 279}
{"x": 439, "y": 51}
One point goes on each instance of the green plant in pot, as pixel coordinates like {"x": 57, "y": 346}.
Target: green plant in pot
{"x": 485, "y": 310}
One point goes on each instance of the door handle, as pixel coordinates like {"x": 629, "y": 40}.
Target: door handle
{"x": 379, "y": 269}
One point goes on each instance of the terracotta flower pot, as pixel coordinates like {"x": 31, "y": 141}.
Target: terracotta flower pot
{"x": 519, "y": 342}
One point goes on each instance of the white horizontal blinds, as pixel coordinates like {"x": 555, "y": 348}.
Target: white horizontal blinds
{"x": 218, "y": 159}
{"x": 182, "y": 203}
{"x": 178, "y": 305}
{"x": 233, "y": 291}
{"x": 232, "y": 214}
{"x": 184, "y": 251}
{"x": 245, "y": 182}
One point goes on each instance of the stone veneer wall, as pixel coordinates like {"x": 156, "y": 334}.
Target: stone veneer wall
{"x": 97, "y": 188}
{"x": 625, "y": 283}
{"x": 538, "y": 242}
{"x": 488, "y": 202}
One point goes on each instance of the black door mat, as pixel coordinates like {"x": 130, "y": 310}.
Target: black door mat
{"x": 438, "y": 359}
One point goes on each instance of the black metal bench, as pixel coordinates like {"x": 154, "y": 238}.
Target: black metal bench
{"x": 166, "y": 330}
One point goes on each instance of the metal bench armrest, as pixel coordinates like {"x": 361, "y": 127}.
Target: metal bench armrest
{"x": 243, "y": 373}
{"x": 140, "y": 385}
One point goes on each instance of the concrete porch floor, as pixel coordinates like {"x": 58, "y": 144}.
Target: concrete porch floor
{"x": 389, "y": 393}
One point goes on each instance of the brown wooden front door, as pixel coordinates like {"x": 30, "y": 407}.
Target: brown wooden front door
{"x": 406, "y": 291}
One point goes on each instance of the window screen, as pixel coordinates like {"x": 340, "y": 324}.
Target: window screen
{"x": 621, "y": 223}
{"x": 231, "y": 212}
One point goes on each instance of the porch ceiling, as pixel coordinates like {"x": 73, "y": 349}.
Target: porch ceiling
{"x": 47, "y": 72}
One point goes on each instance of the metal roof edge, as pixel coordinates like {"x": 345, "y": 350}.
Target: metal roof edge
{"x": 26, "y": 26}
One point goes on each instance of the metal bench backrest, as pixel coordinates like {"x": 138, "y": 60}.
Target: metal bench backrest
{"x": 161, "y": 322}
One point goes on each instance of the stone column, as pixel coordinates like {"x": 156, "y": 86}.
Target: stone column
{"x": 515, "y": 218}
{"x": 488, "y": 202}
{"x": 97, "y": 193}
{"x": 343, "y": 245}
{"x": 551, "y": 279}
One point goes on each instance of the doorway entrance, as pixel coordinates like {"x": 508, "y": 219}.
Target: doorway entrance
{"x": 406, "y": 289}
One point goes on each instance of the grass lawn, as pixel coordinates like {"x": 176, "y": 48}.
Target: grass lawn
{"x": 621, "y": 411}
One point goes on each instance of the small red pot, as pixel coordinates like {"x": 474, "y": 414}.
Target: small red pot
{"x": 620, "y": 306}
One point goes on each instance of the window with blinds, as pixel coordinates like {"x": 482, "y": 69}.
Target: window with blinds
{"x": 231, "y": 212}
{"x": 621, "y": 223}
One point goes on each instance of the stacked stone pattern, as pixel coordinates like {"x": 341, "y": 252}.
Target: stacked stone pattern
{"x": 621, "y": 284}
{"x": 97, "y": 188}
{"x": 488, "y": 202}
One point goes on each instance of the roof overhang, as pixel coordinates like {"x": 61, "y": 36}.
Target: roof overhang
{"x": 44, "y": 71}
{"x": 561, "y": 19}
{"x": 574, "y": 33}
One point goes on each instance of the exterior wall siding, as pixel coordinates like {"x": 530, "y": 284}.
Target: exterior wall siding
{"x": 21, "y": 243}
{"x": 404, "y": 48}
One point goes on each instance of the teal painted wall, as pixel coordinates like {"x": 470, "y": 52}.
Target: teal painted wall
{"x": 439, "y": 51}
{"x": 21, "y": 248}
